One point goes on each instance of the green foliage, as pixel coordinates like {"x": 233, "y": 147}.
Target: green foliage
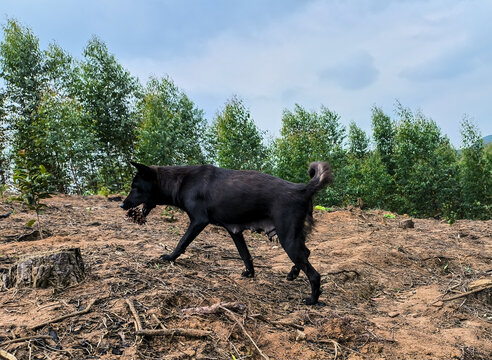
{"x": 423, "y": 159}
{"x": 103, "y": 191}
{"x": 358, "y": 141}
{"x": 107, "y": 93}
{"x": 22, "y": 69}
{"x": 306, "y": 137}
{"x": 84, "y": 120}
{"x": 475, "y": 171}
{"x": 234, "y": 140}
{"x": 384, "y": 137}
{"x": 171, "y": 129}
{"x": 32, "y": 181}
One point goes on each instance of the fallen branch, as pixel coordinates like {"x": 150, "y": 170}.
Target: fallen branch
{"x": 466, "y": 293}
{"x": 140, "y": 331}
{"x": 6, "y": 355}
{"x": 231, "y": 315}
{"x": 175, "y": 332}
{"x": 138, "y": 324}
{"x": 214, "y": 308}
{"x": 81, "y": 312}
{"x": 27, "y": 338}
{"x": 278, "y": 323}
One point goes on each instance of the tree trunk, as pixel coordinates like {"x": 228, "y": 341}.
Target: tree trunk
{"x": 59, "y": 269}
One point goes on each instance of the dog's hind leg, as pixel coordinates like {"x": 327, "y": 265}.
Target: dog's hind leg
{"x": 191, "y": 233}
{"x": 298, "y": 252}
{"x": 294, "y": 273}
{"x": 244, "y": 252}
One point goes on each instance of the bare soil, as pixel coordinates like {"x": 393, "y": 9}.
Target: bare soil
{"x": 385, "y": 289}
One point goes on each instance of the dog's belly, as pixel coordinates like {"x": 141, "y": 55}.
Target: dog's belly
{"x": 259, "y": 226}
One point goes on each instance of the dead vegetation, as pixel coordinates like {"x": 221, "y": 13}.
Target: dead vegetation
{"x": 389, "y": 292}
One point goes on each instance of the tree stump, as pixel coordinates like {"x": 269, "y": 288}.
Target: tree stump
{"x": 59, "y": 269}
{"x": 406, "y": 224}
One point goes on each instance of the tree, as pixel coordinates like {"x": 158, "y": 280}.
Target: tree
{"x": 172, "y": 127}
{"x": 475, "y": 173}
{"x": 358, "y": 141}
{"x": 423, "y": 161}
{"x": 4, "y": 161}
{"x": 306, "y": 137}
{"x": 384, "y": 137}
{"x": 108, "y": 94}
{"x": 33, "y": 184}
{"x": 22, "y": 69}
{"x": 235, "y": 141}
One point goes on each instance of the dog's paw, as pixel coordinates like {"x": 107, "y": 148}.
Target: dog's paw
{"x": 292, "y": 276}
{"x": 248, "y": 273}
{"x": 167, "y": 257}
{"x": 309, "y": 301}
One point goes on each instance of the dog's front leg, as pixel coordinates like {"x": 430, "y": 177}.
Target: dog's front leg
{"x": 191, "y": 233}
{"x": 244, "y": 252}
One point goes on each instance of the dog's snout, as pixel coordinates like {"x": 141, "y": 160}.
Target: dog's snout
{"x": 122, "y": 205}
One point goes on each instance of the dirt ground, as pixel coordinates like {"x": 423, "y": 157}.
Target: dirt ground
{"x": 385, "y": 289}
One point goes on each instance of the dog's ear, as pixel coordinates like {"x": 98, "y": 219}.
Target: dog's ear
{"x": 147, "y": 172}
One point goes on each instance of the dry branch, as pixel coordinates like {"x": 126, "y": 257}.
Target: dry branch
{"x": 231, "y": 315}
{"x": 214, "y": 308}
{"x": 467, "y": 293}
{"x": 27, "y": 338}
{"x": 6, "y": 355}
{"x": 175, "y": 332}
{"x": 138, "y": 324}
{"x": 81, "y": 312}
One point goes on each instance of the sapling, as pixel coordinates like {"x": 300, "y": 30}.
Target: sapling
{"x": 32, "y": 181}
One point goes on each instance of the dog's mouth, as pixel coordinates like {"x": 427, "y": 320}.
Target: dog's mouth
{"x": 146, "y": 210}
{"x": 137, "y": 216}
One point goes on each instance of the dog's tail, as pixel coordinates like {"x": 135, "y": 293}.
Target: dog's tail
{"x": 321, "y": 176}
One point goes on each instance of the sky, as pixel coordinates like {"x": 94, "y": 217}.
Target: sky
{"x": 348, "y": 55}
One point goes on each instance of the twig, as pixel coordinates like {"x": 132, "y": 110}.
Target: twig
{"x": 138, "y": 324}
{"x": 233, "y": 317}
{"x": 158, "y": 321}
{"x": 466, "y": 293}
{"x": 375, "y": 267}
{"x": 81, "y": 312}
{"x": 27, "y": 338}
{"x": 214, "y": 308}
{"x": 6, "y": 355}
{"x": 279, "y": 323}
{"x": 175, "y": 332}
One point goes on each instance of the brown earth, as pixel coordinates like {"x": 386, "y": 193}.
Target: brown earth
{"x": 385, "y": 289}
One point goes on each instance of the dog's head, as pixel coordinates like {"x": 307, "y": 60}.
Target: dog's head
{"x": 143, "y": 189}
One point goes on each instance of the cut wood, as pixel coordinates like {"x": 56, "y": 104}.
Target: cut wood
{"x": 59, "y": 269}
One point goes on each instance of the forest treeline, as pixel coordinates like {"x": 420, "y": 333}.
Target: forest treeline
{"x": 85, "y": 119}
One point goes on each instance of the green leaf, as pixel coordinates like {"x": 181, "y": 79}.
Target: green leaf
{"x": 30, "y": 223}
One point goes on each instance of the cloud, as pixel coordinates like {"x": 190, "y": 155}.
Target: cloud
{"x": 346, "y": 55}
{"x": 352, "y": 73}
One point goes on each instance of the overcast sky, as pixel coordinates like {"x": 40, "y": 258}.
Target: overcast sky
{"x": 433, "y": 55}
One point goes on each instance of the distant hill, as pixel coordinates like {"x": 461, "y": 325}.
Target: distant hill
{"x": 487, "y": 139}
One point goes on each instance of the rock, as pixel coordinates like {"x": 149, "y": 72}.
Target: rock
{"x": 406, "y": 224}
{"x": 59, "y": 269}
{"x": 300, "y": 335}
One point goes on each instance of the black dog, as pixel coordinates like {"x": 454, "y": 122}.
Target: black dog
{"x": 236, "y": 200}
